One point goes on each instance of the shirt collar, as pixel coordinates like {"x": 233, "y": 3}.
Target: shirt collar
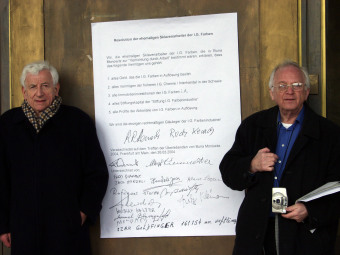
{"x": 299, "y": 118}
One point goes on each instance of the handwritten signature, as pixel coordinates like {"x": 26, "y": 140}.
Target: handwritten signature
{"x": 171, "y": 162}
{"x": 207, "y": 195}
{"x": 139, "y": 136}
{"x": 120, "y": 163}
{"x": 195, "y": 131}
{"x": 187, "y": 200}
{"x": 188, "y": 190}
{"x": 154, "y": 217}
{"x": 126, "y": 201}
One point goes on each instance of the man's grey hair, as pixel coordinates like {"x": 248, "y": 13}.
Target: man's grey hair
{"x": 35, "y": 67}
{"x": 289, "y": 63}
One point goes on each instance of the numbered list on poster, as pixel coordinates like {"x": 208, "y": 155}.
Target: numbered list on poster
{"x": 167, "y": 106}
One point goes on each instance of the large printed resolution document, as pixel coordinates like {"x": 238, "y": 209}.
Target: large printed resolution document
{"x": 167, "y": 106}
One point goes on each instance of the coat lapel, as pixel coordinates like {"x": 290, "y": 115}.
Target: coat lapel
{"x": 310, "y": 130}
{"x": 269, "y": 125}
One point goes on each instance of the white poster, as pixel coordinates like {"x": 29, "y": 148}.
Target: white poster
{"x": 167, "y": 106}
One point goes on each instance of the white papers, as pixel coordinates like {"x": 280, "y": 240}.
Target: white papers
{"x": 327, "y": 189}
{"x": 167, "y": 106}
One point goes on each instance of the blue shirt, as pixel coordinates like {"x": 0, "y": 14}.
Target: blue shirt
{"x": 285, "y": 141}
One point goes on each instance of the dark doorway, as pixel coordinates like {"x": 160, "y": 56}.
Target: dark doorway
{"x": 333, "y": 60}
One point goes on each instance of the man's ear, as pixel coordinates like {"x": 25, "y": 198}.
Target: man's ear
{"x": 23, "y": 91}
{"x": 307, "y": 94}
{"x": 271, "y": 94}
{"x": 57, "y": 88}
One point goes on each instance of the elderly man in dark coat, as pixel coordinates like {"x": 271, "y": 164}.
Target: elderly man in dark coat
{"x": 53, "y": 174}
{"x": 290, "y": 147}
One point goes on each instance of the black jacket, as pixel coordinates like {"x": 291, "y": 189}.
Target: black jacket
{"x": 313, "y": 161}
{"x": 46, "y": 179}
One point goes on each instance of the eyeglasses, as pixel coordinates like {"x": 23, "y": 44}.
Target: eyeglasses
{"x": 296, "y": 86}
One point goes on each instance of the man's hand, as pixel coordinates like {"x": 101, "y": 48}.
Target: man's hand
{"x": 83, "y": 217}
{"x": 263, "y": 161}
{"x": 6, "y": 239}
{"x": 296, "y": 212}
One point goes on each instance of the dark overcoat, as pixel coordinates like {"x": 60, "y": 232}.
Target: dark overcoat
{"x": 313, "y": 161}
{"x": 46, "y": 179}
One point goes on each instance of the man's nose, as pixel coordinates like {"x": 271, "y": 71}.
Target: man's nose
{"x": 40, "y": 91}
{"x": 290, "y": 89}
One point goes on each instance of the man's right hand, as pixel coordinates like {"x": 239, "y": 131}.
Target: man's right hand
{"x": 6, "y": 239}
{"x": 263, "y": 161}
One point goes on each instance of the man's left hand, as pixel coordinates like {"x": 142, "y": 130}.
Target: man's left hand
{"x": 296, "y": 212}
{"x": 83, "y": 217}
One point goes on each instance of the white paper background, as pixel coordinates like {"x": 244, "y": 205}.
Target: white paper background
{"x": 167, "y": 106}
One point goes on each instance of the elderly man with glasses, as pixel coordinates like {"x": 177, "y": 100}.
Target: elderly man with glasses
{"x": 287, "y": 150}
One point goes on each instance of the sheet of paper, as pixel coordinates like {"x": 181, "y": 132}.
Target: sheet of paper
{"x": 326, "y": 189}
{"x": 167, "y": 106}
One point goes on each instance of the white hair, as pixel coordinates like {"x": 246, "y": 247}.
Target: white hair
{"x": 289, "y": 63}
{"x": 35, "y": 67}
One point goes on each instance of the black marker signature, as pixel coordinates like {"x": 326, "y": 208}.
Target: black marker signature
{"x": 120, "y": 163}
{"x": 139, "y": 136}
{"x": 125, "y": 201}
{"x": 171, "y": 162}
